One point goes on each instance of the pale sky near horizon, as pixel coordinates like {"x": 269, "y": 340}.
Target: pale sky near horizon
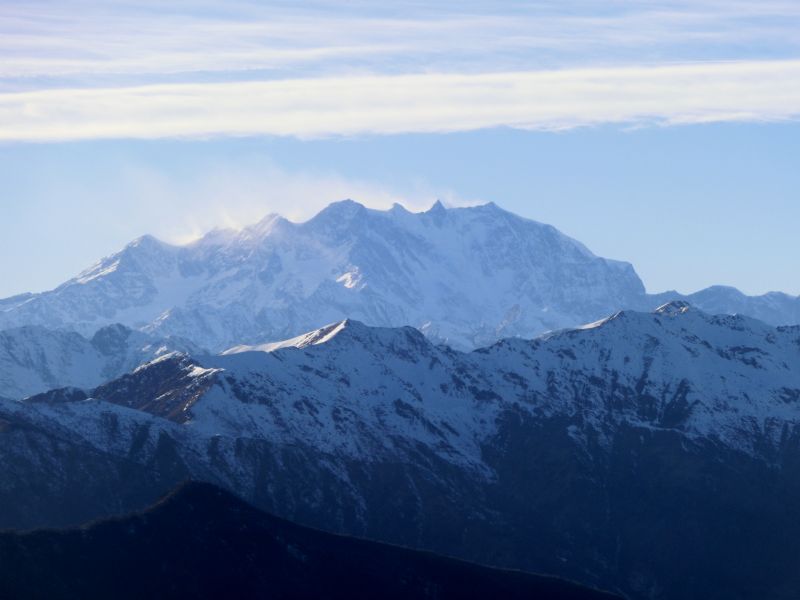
{"x": 664, "y": 133}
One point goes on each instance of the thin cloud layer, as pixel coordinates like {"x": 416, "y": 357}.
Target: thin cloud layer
{"x": 85, "y": 42}
{"x": 235, "y": 196}
{"x": 84, "y": 69}
{"x": 331, "y": 106}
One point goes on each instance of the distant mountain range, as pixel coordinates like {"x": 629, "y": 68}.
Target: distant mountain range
{"x": 463, "y": 276}
{"x": 656, "y": 454}
{"x": 34, "y": 359}
{"x": 201, "y": 542}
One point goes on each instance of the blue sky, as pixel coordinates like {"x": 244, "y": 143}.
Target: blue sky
{"x": 663, "y": 133}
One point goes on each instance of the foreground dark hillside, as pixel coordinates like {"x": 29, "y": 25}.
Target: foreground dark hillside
{"x": 202, "y": 542}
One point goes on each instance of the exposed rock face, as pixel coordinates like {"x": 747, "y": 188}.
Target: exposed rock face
{"x": 652, "y": 453}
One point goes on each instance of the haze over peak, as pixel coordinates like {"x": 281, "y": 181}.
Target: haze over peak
{"x": 337, "y": 212}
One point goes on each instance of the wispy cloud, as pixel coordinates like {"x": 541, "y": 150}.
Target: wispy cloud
{"x": 93, "y": 208}
{"x": 83, "y": 41}
{"x": 234, "y": 196}
{"x": 79, "y": 69}
{"x": 314, "y": 107}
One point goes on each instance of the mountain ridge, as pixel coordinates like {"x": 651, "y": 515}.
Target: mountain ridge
{"x": 578, "y": 440}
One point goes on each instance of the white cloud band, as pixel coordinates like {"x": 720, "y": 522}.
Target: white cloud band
{"x": 380, "y": 104}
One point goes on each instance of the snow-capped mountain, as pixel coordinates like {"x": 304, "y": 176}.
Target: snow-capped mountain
{"x": 722, "y": 377}
{"x": 464, "y": 276}
{"x": 562, "y": 454}
{"x": 34, "y": 359}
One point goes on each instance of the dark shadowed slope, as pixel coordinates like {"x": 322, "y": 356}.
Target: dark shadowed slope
{"x": 201, "y": 542}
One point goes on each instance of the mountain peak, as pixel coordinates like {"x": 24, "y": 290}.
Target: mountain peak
{"x": 346, "y": 207}
{"x": 437, "y": 208}
{"x": 327, "y": 333}
{"x": 337, "y": 217}
{"x": 675, "y": 307}
{"x": 264, "y": 227}
{"x": 146, "y": 242}
{"x": 145, "y": 250}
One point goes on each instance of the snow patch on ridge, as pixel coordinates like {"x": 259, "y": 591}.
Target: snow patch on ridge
{"x": 318, "y": 336}
{"x": 675, "y": 307}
